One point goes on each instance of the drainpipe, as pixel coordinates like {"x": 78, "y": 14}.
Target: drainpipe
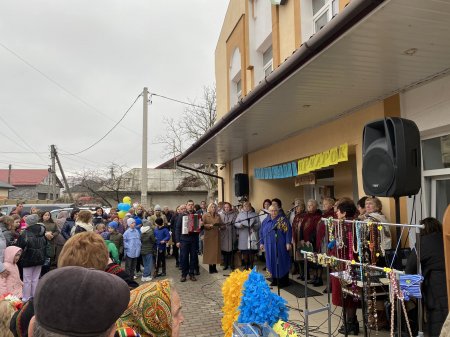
{"x": 206, "y": 174}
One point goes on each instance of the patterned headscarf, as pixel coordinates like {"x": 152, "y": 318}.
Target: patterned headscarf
{"x": 149, "y": 311}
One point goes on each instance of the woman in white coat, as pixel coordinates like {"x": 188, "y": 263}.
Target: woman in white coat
{"x": 247, "y": 225}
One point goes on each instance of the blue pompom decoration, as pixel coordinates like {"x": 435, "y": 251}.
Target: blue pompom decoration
{"x": 331, "y": 244}
{"x": 259, "y": 304}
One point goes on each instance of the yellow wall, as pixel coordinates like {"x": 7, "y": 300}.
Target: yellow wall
{"x": 236, "y": 9}
{"x": 3, "y": 193}
{"x": 342, "y": 4}
{"x": 331, "y": 134}
{"x": 289, "y": 29}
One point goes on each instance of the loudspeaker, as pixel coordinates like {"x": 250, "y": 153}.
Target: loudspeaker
{"x": 391, "y": 158}
{"x": 241, "y": 186}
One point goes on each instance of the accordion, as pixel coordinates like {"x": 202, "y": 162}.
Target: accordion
{"x": 191, "y": 224}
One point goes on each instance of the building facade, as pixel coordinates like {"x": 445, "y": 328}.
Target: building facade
{"x": 297, "y": 83}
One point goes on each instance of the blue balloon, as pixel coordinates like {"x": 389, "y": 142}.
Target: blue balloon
{"x": 121, "y": 206}
{"x": 126, "y": 207}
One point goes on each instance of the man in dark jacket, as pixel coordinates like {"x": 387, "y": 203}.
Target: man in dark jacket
{"x": 70, "y": 222}
{"x": 188, "y": 244}
{"x": 33, "y": 243}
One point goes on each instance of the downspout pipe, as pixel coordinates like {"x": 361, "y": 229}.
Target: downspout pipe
{"x": 206, "y": 174}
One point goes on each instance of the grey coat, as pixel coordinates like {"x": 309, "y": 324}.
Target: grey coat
{"x": 2, "y": 251}
{"x": 228, "y": 235}
{"x": 247, "y": 230}
{"x": 7, "y": 234}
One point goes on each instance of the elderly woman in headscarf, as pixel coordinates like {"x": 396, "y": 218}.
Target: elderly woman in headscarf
{"x": 154, "y": 310}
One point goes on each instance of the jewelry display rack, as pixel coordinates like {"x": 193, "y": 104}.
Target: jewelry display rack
{"x": 366, "y": 266}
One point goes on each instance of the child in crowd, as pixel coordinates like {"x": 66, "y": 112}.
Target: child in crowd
{"x": 113, "y": 252}
{"x": 120, "y": 228}
{"x": 132, "y": 245}
{"x": 101, "y": 229}
{"x": 162, "y": 236}
{"x": 116, "y": 238}
{"x": 148, "y": 244}
{"x": 11, "y": 284}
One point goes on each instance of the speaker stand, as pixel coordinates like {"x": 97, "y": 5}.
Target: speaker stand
{"x": 399, "y": 233}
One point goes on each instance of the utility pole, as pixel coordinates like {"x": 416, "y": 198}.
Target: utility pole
{"x": 66, "y": 185}
{"x": 9, "y": 174}
{"x": 52, "y": 153}
{"x": 144, "y": 180}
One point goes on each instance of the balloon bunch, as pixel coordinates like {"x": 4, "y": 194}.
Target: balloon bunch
{"x": 124, "y": 207}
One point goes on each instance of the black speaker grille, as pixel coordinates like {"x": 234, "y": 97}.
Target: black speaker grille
{"x": 378, "y": 172}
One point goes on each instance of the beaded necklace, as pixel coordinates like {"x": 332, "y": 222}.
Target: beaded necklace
{"x": 340, "y": 234}
{"x": 330, "y": 225}
{"x": 397, "y": 293}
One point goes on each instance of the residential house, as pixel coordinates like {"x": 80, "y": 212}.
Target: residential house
{"x": 166, "y": 187}
{"x": 4, "y": 189}
{"x": 30, "y": 184}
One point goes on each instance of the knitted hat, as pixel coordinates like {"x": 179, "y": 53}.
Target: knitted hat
{"x": 157, "y": 208}
{"x": 77, "y": 301}
{"x": 32, "y": 219}
{"x": 113, "y": 224}
{"x": 130, "y": 221}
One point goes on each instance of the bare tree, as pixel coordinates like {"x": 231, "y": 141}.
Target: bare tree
{"x": 196, "y": 120}
{"x": 101, "y": 183}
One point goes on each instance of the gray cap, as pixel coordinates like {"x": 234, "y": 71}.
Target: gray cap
{"x": 157, "y": 208}
{"x": 32, "y": 219}
{"x": 77, "y": 301}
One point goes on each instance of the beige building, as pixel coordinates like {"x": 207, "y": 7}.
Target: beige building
{"x": 300, "y": 80}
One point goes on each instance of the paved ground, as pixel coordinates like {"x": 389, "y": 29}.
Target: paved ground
{"x": 202, "y": 304}
{"x": 201, "y": 301}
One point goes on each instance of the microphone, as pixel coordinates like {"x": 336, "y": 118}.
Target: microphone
{"x": 264, "y": 211}
{"x": 290, "y": 211}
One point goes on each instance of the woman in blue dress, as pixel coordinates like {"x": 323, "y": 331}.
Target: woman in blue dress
{"x": 276, "y": 238}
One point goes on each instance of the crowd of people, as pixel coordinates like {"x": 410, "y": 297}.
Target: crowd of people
{"x": 84, "y": 246}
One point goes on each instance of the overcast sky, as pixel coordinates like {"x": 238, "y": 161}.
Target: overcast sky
{"x": 102, "y": 53}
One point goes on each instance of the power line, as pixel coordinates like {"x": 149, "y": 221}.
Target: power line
{"x": 67, "y": 91}
{"x": 20, "y": 152}
{"x": 181, "y": 102}
{"x": 23, "y": 140}
{"x": 110, "y": 130}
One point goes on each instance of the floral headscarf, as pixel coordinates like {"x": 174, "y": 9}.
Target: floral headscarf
{"x": 149, "y": 312}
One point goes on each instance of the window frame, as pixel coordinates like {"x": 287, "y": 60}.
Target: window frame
{"x": 328, "y": 9}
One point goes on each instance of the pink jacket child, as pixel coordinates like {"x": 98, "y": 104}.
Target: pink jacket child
{"x": 12, "y": 283}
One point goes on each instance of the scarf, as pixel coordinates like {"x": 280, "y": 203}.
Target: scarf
{"x": 149, "y": 311}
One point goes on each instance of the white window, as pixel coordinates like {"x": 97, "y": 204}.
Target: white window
{"x": 239, "y": 89}
{"x": 267, "y": 61}
{"x": 323, "y": 12}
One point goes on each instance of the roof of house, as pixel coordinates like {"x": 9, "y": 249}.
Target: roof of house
{"x": 6, "y": 185}
{"x": 25, "y": 177}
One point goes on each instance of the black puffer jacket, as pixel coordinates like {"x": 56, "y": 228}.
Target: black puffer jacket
{"x": 434, "y": 286}
{"x": 67, "y": 228}
{"x": 33, "y": 243}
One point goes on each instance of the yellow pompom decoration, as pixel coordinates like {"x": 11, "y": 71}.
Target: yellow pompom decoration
{"x": 284, "y": 329}
{"x": 232, "y": 294}
{"x": 377, "y": 254}
{"x": 380, "y": 227}
{"x": 387, "y": 270}
{"x": 353, "y": 261}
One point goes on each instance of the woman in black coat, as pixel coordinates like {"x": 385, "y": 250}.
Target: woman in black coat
{"x": 434, "y": 286}
{"x": 33, "y": 243}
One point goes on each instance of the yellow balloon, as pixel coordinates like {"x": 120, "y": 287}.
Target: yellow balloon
{"x": 126, "y": 200}
{"x": 121, "y": 214}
